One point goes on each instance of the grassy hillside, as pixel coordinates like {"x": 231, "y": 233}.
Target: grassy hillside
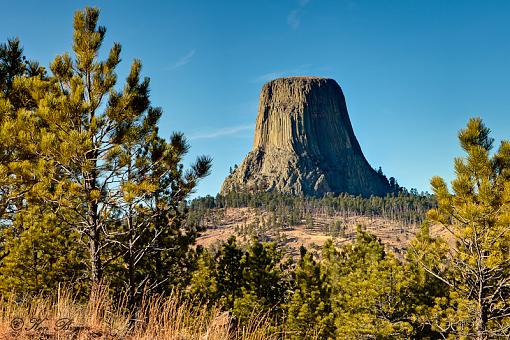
{"x": 293, "y": 221}
{"x": 244, "y": 223}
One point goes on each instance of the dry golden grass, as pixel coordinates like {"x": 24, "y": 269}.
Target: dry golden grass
{"x": 170, "y": 317}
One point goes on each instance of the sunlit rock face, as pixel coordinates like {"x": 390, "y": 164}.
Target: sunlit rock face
{"x": 304, "y": 144}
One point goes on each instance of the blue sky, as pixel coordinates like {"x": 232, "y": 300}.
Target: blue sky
{"x": 413, "y": 72}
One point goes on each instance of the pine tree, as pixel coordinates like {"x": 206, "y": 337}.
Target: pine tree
{"x": 372, "y": 290}
{"x": 245, "y": 281}
{"x": 12, "y": 65}
{"x": 109, "y": 176}
{"x": 264, "y": 281}
{"x": 229, "y": 267}
{"x": 19, "y": 168}
{"x": 309, "y": 311}
{"x": 203, "y": 283}
{"x": 473, "y": 259}
{"x": 29, "y": 242}
{"x": 41, "y": 254}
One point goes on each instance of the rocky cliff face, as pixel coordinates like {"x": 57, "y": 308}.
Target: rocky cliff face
{"x": 304, "y": 144}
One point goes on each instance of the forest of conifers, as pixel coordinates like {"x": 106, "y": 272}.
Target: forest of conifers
{"x": 91, "y": 194}
{"x": 404, "y": 207}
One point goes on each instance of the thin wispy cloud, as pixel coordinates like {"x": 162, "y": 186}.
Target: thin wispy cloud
{"x": 269, "y": 76}
{"x": 227, "y": 131}
{"x": 185, "y": 59}
{"x": 300, "y": 70}
{"x": 294, "y": 19}
{"x": 294, "y": 16}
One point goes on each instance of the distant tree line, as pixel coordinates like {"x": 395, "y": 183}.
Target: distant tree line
{"x": 405, "y": 207}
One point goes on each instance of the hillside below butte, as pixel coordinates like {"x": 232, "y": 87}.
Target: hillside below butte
{"x": 304, "y": 144}
{"x": 245, "y": 223}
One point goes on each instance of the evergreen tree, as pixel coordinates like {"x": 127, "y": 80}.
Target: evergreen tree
{"x": 265, "y": 284}
{"x": 372, "y": 291}
{"x": 244, "y": 281}
{"x": 474, "y": 259}
{"x": 19, "y": 168}
{"x": 229, "y": 266}
{"x": 41, "y": 254}
{"x": 36, "y": 253}
{"x": 309, "y": 311}
{"x": 108, "y": 175}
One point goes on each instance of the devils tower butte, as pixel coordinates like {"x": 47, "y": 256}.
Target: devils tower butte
{"x": 304, "y": 144}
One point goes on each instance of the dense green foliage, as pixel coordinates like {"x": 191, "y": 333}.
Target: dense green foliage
{"x": 245, "y": 280}
{"x": 90, "y": 192}
{"x": 356, "y": 291}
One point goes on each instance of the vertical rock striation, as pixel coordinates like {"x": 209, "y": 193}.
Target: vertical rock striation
{"x": 304, "y": 144}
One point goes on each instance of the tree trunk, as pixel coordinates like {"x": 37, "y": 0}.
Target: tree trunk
{"x": 94, "y": 226}
{"x": 481, "y": 320}
{"x": 94, "y": 244}
{"x": 132, "y": 281}
{"x": 131, "y": 252}
{"x": 131, "y": 264}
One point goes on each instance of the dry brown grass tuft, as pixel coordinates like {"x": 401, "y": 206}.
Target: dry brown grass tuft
{"x": 172, "y": 317}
